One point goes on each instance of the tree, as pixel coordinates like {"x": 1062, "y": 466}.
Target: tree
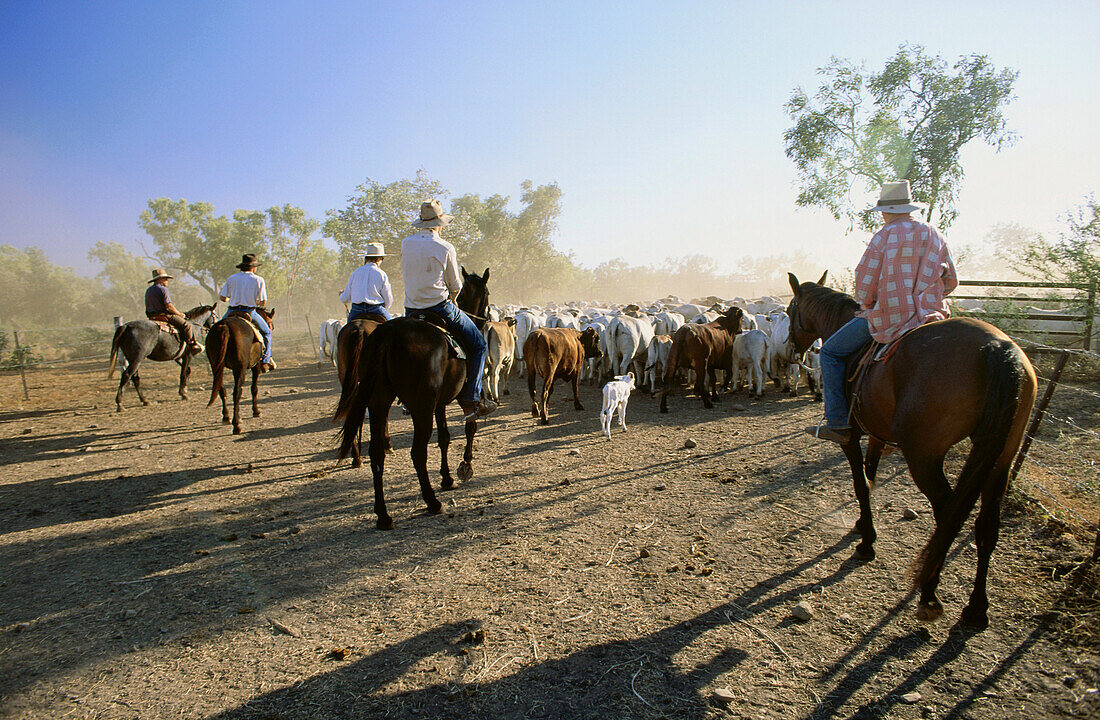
{"x": 34, "y": 291}
{"x": 124, "y": 274}
{"x": 1075, "y": 256}
{"x": 909, "y": 121}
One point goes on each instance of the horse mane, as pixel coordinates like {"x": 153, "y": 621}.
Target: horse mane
{"x": 196, "y": 311}
{"x": 829, "y": 308}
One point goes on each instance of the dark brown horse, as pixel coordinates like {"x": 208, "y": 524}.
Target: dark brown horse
{"x": 704, "y": 349}
{"x": 233, "y": 343}
{"x": 349, "y": 355}
{"x": 411, "y": 360}
{"x": 946, "y": 381}
{"x": 141, "y": 339}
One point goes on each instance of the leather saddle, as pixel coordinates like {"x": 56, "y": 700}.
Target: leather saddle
{"x": 161, "y": 321}
{"x": 458, "y": 350}
{"x": 247, "y": 317}
{"x": 855, "y": 373}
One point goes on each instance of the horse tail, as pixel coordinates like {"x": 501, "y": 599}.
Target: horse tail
{"x": 218, "y": 339}
{"x": 351, "y": 373}
{"x": 995, "y": 439}
{"x": 114, "y": 351}
{"x": 377, "y": 348}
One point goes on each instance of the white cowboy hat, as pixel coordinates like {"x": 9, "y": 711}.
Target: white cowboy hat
{"x": 159, "y": 274}
{"x": 432, "y": 215}
{"x": 895, "y": 197}
{"x": 375, "y": 250}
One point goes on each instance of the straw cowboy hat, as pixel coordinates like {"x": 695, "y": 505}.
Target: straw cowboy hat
{"x": 248, "y": 262}
{"x": 375, "y": 250}
{"x": 432, "y": 216}
{"x": 159, "y": 274}
{"x": 895, "y": 197}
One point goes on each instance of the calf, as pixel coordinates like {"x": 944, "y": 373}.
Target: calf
{"x": 501, "y": 341}
{"x": 554, "y": 353}
{"x": 783, "y": 359}
{"x": 330, "y": 330}
{"x": 750, "y": 352}
{"x": 615, "y": 395}
{"x": 812, "y": 365}
{"x": 657, "y": 360}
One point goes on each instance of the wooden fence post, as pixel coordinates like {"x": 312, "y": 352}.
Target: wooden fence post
{"x": 22, "y": 364}
{"x": 1091, "y": 311}
{"x": 310, "y": 329}
{"x": 122, "y": 361}
{"x": 1037, "y": 417}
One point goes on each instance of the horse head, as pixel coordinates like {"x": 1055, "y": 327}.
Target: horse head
{"x": 473, "y": 299}
{"x": 816, "y": 311}
{"x": 268, "y": 315}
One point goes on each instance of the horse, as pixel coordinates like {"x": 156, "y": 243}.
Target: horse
{"x": 412, "y": 360}
{"x": 348, "y": 355}
{"x": 704, "y": 348}
{"x": 945, "y": 381}
{"x": 234, "y": 342}
{"x": 140, "y": 339}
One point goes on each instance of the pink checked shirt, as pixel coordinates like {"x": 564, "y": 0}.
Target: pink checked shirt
{"x": 902, "y": 279}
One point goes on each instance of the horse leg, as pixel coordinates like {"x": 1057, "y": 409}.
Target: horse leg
{"x": 131, "y": 368}
{"x": 865, "y": 526}
{"x": 379, "y": 420}
{"x": 136, "y": 379}
{"x": 256, "y": 391}
{"x": 987, "y": 529}
{"x": 422, "y": 433}
{"x": 466, "y": 467}
{"x": 225, "y": 407}
{"x": 238, "y": 389}
{"x": 443, "y": 438}
{"x": 927, "y": 472}
{"x": 870, "y": 463}
{"x": 357, "y": 449}
{"x": 185, "y": 373}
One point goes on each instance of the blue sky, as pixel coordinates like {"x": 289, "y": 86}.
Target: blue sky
{"x": 662, "y": 122}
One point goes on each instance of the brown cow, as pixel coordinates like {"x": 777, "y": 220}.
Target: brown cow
{"x": 704, "y": 349}
{"x": 554, "y": 353}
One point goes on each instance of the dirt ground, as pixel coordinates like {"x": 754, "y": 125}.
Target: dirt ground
{"x": 152, "y": 565}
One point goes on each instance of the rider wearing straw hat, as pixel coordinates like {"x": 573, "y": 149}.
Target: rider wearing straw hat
{"x": 245, "y": 291}
{"x": 158, "y": 305}
{"x": 429, "y": 266}
{"x": 368, "y": 289}
{"x": 900, "y": 284}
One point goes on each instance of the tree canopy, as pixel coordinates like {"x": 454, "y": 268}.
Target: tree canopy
{"x": 909, "y": 121}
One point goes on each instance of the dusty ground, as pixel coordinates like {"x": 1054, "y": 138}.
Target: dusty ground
{"x": 155, "y": 566}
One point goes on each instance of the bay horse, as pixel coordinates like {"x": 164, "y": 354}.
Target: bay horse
{"x": 945, "y": 381}
{"x": 140, "y": 339}
{"x": 412, "y": 360}
{"x": 234, "y": 343}
{"x": 348, "y": 355}
{"x": 704, "y": 349}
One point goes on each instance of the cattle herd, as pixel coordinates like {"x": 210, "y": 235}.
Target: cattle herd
{"x": 654, "y": 344}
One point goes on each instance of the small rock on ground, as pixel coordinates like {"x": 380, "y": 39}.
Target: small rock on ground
{"x": 803, "y": 611}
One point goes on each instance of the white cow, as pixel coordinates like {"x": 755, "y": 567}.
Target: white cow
{"x": 656, "y": 361}
{"x": 330, "y": 330}
{"x": 628, "y": 340}
{"x": 783, "y": 361}
{"x": 750, "y": 352}
{"x": 597, "y": 368}
{"x": 563, "y": 320}
{"x": 667, "y": 322}
{"x": 500, "y": 338}
{"x": 527, "y": 322}
{"x": 615, "y": 395}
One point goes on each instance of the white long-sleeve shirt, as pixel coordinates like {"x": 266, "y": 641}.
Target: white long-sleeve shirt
{"x": 368, "y": 284}
{"x": 245, "y": 288}
{"x": 429, "y": 266}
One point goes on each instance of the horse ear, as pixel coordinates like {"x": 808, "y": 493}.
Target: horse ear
{"x": 464, "y": 273}
{"x": 822, "y": 280}
{"x": 485, "y": 277}
{"x": 272, "y": 313}
{"x": 794, "y": 283}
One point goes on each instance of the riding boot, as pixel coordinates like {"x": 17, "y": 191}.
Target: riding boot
{"x": 473, "y": 410}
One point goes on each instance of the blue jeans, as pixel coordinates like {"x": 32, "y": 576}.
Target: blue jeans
{"x": 261, "y": 324}
{"x": 834, "y": 351}
{"x": 463, "y": 327}
{"x": 359, "y": 310}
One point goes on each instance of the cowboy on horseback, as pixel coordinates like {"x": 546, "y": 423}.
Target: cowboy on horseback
{"x": 245, "y": 291}
{"x": 900, "y": 284}
{"x": 429, "y": 266}
{"x": 158, "y": 306}
{"x": 368, "y": 289}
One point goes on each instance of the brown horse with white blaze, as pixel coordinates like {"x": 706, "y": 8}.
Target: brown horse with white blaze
{"x": 233, "y": 343}
{"x": 946, "y": 381}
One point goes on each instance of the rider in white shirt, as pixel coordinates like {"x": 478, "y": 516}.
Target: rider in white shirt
{"x": 245, "y": 291}
{"x": 368, "y": 289}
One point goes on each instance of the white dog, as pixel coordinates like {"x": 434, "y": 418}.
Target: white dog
{"x": 615, "y": 395}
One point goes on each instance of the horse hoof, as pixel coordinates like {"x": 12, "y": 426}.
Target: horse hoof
{"x": 544, "y": 421}
{"x": 974, "y": 618}
{"x": 236, "y": 431}
{"x": 447, "y": 484}
{"x": 119, "y": 409}
{"x": 183, "y": 396}
{"x": 929, "y": 611}
{"x": 865, "y": 554}
{"x": 435, "y": 507}
{"x": 145, "y": 403}
{"x": 357, "y": 463}
{"x": 465, "y": 471}
{"x": 256, "y": 413}
{"x": 225, "y": 421}
{"x": 385, "y": 523}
